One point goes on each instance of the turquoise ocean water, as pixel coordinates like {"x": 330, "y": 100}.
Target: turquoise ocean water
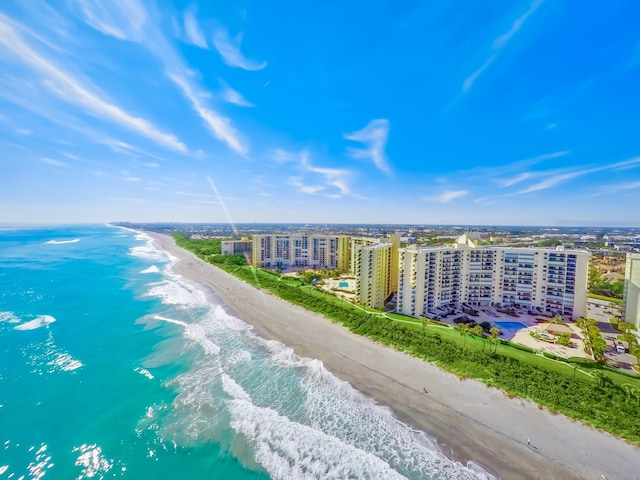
{"x": 113, "y": 367}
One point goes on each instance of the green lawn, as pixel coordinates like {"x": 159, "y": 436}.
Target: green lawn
{"x": 606, "y": 299}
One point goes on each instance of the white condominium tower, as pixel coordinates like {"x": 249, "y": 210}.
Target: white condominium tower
{"x": 632, "y": 290}
{"x": 286, "y": 251}
{"x": 546, "y": 280}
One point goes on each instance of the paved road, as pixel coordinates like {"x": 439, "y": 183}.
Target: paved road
{"x": 601, "y": 311}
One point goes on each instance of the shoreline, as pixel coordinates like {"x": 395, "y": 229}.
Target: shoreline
{"x": 468, "y": 420}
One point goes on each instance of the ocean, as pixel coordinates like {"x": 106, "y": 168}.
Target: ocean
{"x": 111, "y": 366}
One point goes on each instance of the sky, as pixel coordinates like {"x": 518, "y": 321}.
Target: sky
{"x": 441, "y": 112}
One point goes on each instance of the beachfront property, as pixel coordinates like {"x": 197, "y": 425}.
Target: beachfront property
{"x": 436, "y": 279}
{"x": 631, "y": 307}
{"x": 375, "y": 269}
{"x": 237, "y": 247}
{"x": 294, "y": 251}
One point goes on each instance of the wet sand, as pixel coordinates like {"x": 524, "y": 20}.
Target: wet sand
{"x": 469, "y": 420}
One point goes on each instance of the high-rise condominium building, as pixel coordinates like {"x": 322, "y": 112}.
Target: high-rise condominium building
{"x": 546, "y": 280}
{"x": 286, "y": 251}
{"x": 632, "y": 290}
{"x": 373, "y": 272}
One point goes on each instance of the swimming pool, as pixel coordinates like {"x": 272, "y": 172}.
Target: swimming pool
{"x": 511, "y": 325}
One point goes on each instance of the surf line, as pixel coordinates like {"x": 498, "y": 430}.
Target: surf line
{"x": 170, "y": 320}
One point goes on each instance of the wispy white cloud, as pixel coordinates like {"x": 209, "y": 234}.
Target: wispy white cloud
{"x": 334, "y": 177}
{"x": 283, "y": 156}
{"x": 470, "y": 80}
{"x": 314, "y": 180}
{"x": 374, "y": 136}
{"x": 513, "y": 173}
{"x": 517, "y": 179}
{"x": 555, "y": 177}
{"x": 308, "y": 189}
{"x": 55, "y": 163}
{"x": 72, "y": 90}
{"x": 151, "y": 37}
{"x": 229, "y": 50}
{"x": 230, "y": 95}
{"x": 122, "y": 19}
{"x": 447, "y": 196}
{"x": 554, "y": 180}
{"x": 560, "y": 178}
{"x": 499, "y": 44}
{"x": 192, "y": 29}
{"x": 618, "y": 188}
{"x": 220, "y": 126}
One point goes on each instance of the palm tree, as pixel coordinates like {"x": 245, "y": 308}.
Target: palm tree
{"x": 464, "y": 331}
{"x": 494, "y": 332}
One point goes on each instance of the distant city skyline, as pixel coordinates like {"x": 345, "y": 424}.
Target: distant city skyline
{"x": 437, "y": 113}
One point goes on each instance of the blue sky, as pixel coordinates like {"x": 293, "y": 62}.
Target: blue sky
{"x": 440, "y": 112}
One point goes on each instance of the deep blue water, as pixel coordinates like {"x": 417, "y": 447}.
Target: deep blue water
{"x": 113, "y": 367}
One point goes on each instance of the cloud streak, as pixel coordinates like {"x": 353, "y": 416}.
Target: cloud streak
{"x": 220, "y": 126}
{"x": 192, "y": 29}
{"x": 149, "y": 36}
{"x": 499, "y": 44}
{"x": 72, "y": 90}
{"x": 447, "y": 196}
{"x": 374, "y": 136}
{"x": 330, "y": 182}
{"x": 232, "y": 96}
{"x": 229, "y": 50}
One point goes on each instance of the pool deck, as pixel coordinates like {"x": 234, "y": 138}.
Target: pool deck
{"x": 522, "y": 336}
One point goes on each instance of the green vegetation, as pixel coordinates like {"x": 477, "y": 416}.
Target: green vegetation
{"x": 606, "y": 299}
{"x": 579, "y": 388}
{"x": 599, "y": 285}
{"x": 594, "y": 344}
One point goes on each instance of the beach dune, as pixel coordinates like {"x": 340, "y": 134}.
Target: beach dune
{"x": 469, "y": 420}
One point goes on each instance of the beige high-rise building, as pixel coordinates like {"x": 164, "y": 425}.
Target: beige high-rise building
{"x": 433, "y": 279}
{"x": 374, "y": 273}
{"x": 287, "y": 251}
{"x": 632, "y": 290}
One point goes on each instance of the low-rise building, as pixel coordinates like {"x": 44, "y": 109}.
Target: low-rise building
{"x": 237, "y": 247}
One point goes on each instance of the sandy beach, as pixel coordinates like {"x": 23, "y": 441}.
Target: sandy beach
{"x": 469, "y": 420}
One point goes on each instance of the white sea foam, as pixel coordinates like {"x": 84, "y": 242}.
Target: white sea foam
{"x": 9, "y": 317}
{"x": 65, "y": 362}
{"x": 42, "y": 462}
{"x": 195, "y": 332}
{"x": 92, "y": 461}
{"x": 177, "y": 292}
{"x": 47, "y": 357}
{"x": 151, "y": 269}
{"x": 41, "y": 321}
{"x": 144, "y": 372}
{"x": 61, "y": 242}
{"x": 290, "y": 450}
